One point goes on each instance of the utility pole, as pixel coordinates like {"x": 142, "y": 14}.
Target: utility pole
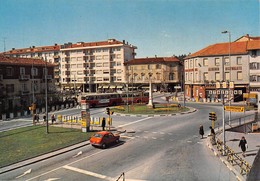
{"x": 46, "y": 96}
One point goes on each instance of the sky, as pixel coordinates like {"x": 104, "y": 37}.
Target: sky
{"x": 156, "y": 27}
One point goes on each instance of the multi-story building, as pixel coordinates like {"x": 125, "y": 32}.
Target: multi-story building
{"x": 211, "y": 72}
{"x": 164, "y": 72}
{"x": 48, "y": 53}
{"x": 22, "y": 82}
{"x": 89, "y": 67}
{"x": 96, "y": 66}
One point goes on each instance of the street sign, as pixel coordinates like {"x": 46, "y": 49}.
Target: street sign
{"x": 234, "y": 108}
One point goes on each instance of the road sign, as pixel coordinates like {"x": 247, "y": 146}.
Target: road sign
{"x": 234, "y": 108}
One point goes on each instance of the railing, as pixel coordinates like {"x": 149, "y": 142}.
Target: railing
{"x": 234, "y": 159}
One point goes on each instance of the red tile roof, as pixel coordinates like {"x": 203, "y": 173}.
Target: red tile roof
{"x": 152, "y": 60}
{"x": 253, "y": 45}
{"x": 58, "y": 47}
{"x": 237, "y": 48}
{"x": 34, "y": 50}
{"x": 23, "y": 61}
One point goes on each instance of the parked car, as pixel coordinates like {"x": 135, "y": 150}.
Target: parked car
{"x": 103, "y": 139}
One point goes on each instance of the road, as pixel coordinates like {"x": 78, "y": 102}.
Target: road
{"x": 154, "y": 148}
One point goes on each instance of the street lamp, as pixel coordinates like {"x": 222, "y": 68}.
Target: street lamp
{"x": 150, "y": 103}
{"x": 223, "y": 103}
{"x": 46, "y": 97}
{"x": 229, "y": 55}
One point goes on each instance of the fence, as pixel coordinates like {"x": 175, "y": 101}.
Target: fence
{"x": 234, "y": 159}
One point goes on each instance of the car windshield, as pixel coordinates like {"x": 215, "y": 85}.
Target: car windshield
{"x": 98, "y": 135}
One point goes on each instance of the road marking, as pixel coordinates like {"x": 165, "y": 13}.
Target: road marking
{"x": 189, "y": 141}
{"x": 154, "y": 132}
{"x": 154, "y": 138}
{"x": 146, "y": 131}
{"x": 52, "y": 179}
{"x": 62, "y": 166}
{"x": 87, "y": 172}
{"x": 135, "y": 122}
{"x": 162, "y": 133}
{"x": 79, "y": 153}
{"x": 169, "y": 133}
{"x": 25, "y": 173}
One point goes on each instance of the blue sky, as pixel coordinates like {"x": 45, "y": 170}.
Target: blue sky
{"x": 156, "y": 27}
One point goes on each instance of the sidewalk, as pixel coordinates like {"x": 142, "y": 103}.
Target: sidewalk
{"x": 252, "y": 153}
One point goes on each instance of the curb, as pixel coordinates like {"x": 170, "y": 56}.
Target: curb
{"x": 42, "y": 157}
{"x": 223, "y": 160}
{"x": 159, "y": 115}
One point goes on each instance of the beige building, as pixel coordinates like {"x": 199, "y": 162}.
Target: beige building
{"x": 88, "y": 67}
{"x": 165, "y": 73}
{"x": 211, "y": 72}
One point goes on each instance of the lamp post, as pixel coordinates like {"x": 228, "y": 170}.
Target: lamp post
{"x": 46, "y": 97}
{"x": 150, "y": 103}
{"x": 229, "y": 57}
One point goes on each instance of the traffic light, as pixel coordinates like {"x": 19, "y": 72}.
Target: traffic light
{"x": 108, "y": 111}
{"x": 212, "y": 116}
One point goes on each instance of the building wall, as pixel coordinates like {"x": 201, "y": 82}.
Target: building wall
{"x": 254, "y": 71}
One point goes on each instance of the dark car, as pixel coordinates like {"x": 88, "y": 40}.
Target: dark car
{"x": 103, "y": 139}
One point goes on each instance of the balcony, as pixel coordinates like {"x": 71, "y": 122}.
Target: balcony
{"x": 56, "y": 56}
{"x": 24, "y": 77}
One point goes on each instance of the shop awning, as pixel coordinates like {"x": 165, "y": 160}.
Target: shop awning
{"x": 105, "y": 86}
{"x": 119, "y": 87}
{"x": 112, "y": 87}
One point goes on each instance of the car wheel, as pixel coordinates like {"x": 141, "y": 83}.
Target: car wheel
{"x": 117, "y": 141}
{"x": 104, "y": 145}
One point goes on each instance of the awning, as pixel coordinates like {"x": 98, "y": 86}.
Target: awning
{"x": 105, "y": 86}
{"x": 112, "y": 87}
{"x": 100, "y": 87}
{"x": 119, "y": 87}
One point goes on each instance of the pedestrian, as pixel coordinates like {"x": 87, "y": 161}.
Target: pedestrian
{"x": 44, "y": 118}
{"x": 53, "y": 119}
{"x": 103, "y": 124}
{"x": 212, "y": 133}
{"x": 201, "y": 131}
{"x": 243, "y": 144}
{"x": 37, "y": 118}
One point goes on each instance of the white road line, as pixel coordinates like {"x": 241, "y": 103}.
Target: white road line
{"x": 155, "y": 132}
{"x": 154, "y": 138}
{"x": 169, "y": 133}
{"x": 134, "y": 122}
{"x": 87, "y": 172}
{"x": 162, "y": 133}
{"x": 62, "y": 166}
{"x": 146, "y": 131}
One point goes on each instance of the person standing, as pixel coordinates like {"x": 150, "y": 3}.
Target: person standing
{"x": 103, "y": 124}
{"x": 243, "y": 144}
{"x": 201, "y": 131}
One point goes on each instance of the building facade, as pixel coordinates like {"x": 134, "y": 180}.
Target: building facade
{"x": 222, "y": 70}
{"x": 165, "y": 73}
{"x": 22, "y": 82}
{"x": 87, "y": 67}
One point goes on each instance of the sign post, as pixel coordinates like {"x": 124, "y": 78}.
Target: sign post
{"x": 85, "y": 116}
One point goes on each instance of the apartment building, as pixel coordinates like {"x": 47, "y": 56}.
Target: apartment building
{"x": 87, "y": 67}
{"x": 96, "y": 66}
{"x": 165, "y": 73}
{"x": 211, "y": 72}
{"x": 22, "y": 82}
{"x": 47, "y": 53}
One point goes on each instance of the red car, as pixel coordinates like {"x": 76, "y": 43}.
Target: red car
{"x": 103, "y": 139}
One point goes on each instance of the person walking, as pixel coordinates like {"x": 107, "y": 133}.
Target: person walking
{"x": 243, "y": 144}
{"x": 201, "y": 131}
{"x": 103, "y": 124}
{"x": 53, "y": 119}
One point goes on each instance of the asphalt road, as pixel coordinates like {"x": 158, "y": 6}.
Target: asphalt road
{"x": 153, "y": 148}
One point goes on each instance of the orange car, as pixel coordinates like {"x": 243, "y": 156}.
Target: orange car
{"x": 103, "y": 139}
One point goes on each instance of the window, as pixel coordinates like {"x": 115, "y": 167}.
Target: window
{"x": 22, "y": 71}
{"x": 119, "y": 71}
{"x": 105, "y": 71}
{"x": 149, "y": 66}
{"x": 106, "y": 64}
{"x": 98, "y": 57}
{"x": 239, "y": 75}
{"x": 106, "y": 79}
{"x": 227, "y": 61}
{"x": 217, "y": 61}
{"x": 34, "y": 71}
{"x": 99, "y": 79}
{"x": 227, "y": 76}
{"x": 118, "y": 56}
{"x": 171, "y": 76}
{"x": 196, "y": 62}
{"x": 191, "y": 64}
{"x": 98, "y": 64}
{"x": 239, "y": 60}
{"x": 118, "y": 63}
{"x": 206, "y": 76}
{"x": 158, "y": 66}
{"x": 9, "y": 71}
{"x": 217, "y": 75}
{"x": 73, "y": 66}
{"x": 205, "y": 62}
{"x": 73, "y": 58}
{"x": 253, "y": 53}
{"x": 79, "y": 58}
{"x": 158, "y": 76}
